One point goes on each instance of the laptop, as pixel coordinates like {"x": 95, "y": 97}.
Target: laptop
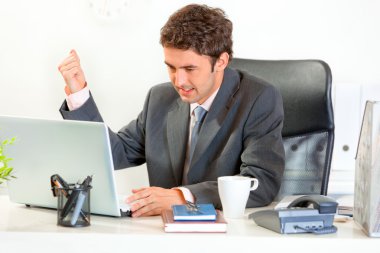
{"x": 72, "y": 149}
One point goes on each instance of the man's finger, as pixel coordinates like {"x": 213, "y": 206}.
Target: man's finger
{"x": 74, "y": 54}
{"x": 69, "y": 66}
{"x": 151, "y": 209}
{"x": 140, "y": 189}
{"x": 66, "y": 61}
{"x": 138, "y": 195}
{"x": 141, "y": 203}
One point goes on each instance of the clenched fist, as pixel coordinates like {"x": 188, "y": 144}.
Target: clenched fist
{"x": 72, "y": 73}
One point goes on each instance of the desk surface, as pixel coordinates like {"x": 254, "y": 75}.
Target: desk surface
{"x": 35, "y": 229}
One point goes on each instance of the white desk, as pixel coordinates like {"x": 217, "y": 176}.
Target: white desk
{"x": 24, "y": 229}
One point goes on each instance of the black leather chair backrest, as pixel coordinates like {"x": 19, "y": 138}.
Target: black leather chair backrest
{"x": 308, "y": 133}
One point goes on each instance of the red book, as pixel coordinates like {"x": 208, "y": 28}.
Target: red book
{"x": 170, "y": 226}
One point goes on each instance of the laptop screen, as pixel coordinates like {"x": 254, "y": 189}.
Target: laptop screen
{"x": 72, "y": 149}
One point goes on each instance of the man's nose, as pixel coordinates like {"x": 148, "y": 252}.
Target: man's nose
{"x": 181, "y": 77}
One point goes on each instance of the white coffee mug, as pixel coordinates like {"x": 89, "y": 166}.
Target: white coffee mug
{"x": 234, "y": 192}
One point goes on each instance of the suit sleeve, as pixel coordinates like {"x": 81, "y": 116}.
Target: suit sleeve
{"x": 264, "y": 156}
{"x": 128, "y": 148}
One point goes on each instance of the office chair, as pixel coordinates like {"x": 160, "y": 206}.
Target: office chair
{"x": 308, "y": 132}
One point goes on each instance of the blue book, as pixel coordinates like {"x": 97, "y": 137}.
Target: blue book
{"x": 205, "y": 212}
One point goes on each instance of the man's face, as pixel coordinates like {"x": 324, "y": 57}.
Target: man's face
{"x": 191, "y": 74}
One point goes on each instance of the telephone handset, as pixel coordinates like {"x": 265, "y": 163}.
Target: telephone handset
{"x": 324, "y": 204}
{"x": 306, "y": 214}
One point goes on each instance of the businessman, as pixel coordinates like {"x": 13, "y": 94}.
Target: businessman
{"x": 209, "y": 121}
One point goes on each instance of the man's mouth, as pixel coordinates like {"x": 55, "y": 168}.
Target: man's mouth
{"x": 186, "y": 90}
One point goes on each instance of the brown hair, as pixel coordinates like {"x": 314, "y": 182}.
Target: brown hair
{"x": 203, "y": 29}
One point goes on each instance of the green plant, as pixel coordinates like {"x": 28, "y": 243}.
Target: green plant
{"x": 5, "y": 170}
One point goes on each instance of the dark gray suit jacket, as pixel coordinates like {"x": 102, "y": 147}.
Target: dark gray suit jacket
{"x": 241, "y": 134}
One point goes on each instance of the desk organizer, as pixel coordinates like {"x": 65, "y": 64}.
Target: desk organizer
{"x": 73, "y": 209}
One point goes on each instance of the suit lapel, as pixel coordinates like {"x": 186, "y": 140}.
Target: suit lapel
{"x": 215, "y": 117}
{"x": 177, "y": 132}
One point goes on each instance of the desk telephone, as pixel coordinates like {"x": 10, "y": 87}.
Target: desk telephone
{"x": 306, "y": 214}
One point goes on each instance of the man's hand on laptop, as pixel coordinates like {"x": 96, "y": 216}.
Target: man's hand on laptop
{"x": 72, "y": 73}
{"x": 153, "y": 200}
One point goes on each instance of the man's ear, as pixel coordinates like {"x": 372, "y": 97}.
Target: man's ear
{"x": 222, "y": 62}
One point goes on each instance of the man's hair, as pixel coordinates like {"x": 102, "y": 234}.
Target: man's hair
{"x": 203, "y": 29}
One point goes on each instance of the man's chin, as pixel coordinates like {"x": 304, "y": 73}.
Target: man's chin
{"x": 188, "y": 100}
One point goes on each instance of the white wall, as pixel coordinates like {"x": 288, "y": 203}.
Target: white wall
{"x": 122, "y": 58}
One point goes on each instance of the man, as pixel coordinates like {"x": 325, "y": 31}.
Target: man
{"x": 239, "y": 134}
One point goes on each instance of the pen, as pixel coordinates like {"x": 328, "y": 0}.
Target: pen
{"x": 192, "y": 207}
{"x": 86, "y": 183}
{"x": 58, "y": 181}
{"x": 80, "y": 200}
{"x": 78, "y": 206}
{"x": 71, "y": 200}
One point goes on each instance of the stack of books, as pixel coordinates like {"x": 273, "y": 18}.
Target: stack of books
{"x": 204, "y": 219}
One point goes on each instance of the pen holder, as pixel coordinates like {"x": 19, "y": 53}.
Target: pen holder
{"x": 73, "y": 209}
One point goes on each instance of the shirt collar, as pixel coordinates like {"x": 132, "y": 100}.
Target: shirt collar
{"x": 206, "y": 104}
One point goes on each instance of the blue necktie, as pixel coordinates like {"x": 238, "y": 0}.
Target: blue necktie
{"x": 200, "y": 114}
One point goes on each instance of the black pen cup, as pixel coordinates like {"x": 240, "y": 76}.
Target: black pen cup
{"x": 73, "y": 208}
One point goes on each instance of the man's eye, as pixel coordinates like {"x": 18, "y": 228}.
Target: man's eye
{"x": 190, "y": 69}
